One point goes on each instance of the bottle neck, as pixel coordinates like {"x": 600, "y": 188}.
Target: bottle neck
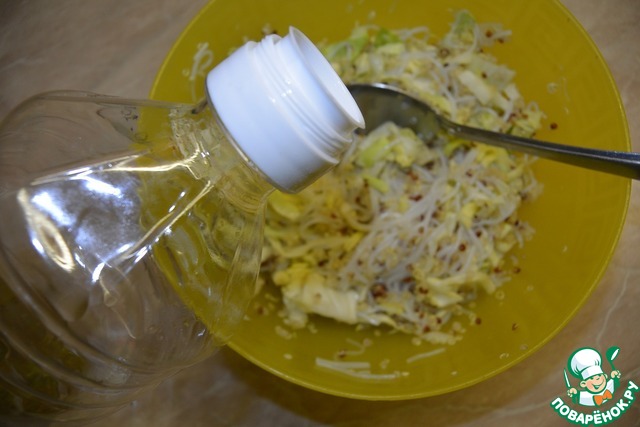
{"x": 214, "y": 156}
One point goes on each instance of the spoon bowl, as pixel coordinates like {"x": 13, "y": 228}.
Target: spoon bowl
{"x": 382, "y": 103}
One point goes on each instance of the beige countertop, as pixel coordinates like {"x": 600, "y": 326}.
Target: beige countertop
{"x": 116, "y": 46}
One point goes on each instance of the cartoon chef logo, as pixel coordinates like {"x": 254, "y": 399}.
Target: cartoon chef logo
{"x": 601, "y": 396}
{"x": 595, "y": 386}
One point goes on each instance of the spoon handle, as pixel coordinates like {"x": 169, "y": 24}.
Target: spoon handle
{"x": 614, "y": 162}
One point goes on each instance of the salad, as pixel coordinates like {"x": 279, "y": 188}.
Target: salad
{"x": 409, "y": 233}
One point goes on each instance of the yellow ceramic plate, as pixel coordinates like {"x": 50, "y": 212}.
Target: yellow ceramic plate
{"x": 578, "y": 218}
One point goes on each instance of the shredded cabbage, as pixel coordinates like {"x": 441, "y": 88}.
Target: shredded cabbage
{"x": 406, "y": 233}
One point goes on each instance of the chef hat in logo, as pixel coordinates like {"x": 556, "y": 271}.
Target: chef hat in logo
{"x": 586, "y": 363}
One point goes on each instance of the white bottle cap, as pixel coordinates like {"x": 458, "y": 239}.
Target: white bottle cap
{"x": 285, "y": 107}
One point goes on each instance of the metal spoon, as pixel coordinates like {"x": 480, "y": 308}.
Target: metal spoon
{"x": 381, "y": 103}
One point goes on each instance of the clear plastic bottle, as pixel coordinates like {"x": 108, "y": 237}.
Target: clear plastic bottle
{"x": 131, "y": 231}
